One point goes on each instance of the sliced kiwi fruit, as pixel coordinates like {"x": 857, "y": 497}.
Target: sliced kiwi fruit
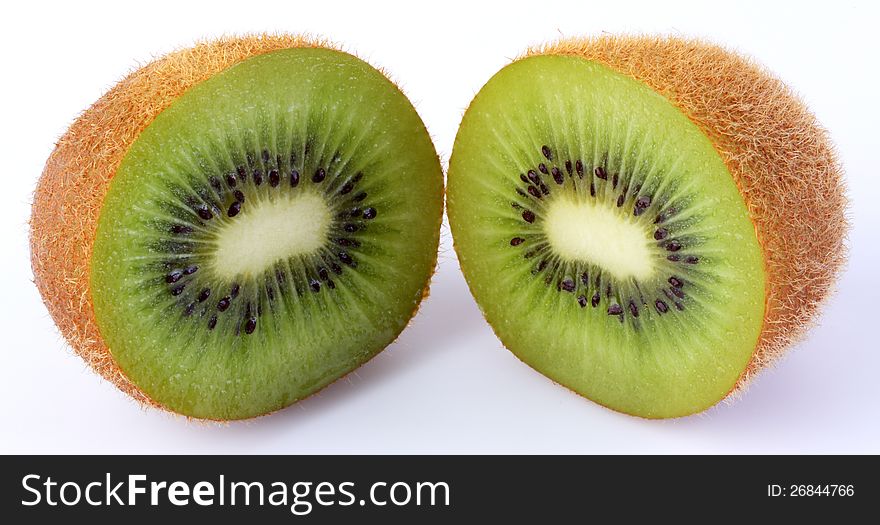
{"x": 236, "y": 225}
{"x": 646, "y": 221}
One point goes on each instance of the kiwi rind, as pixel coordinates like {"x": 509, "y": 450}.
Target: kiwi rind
{"x": 782, "y": 160}
{"x": 79, "y": 171}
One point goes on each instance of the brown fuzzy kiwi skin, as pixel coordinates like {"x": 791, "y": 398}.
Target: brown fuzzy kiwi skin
{"x": 781, "y": 158}
{"x": 70, "y": 192}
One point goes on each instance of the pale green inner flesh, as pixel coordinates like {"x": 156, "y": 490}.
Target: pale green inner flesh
{"x": 225, "y": 313}
{"x": 296, "y": 225}
{"x": 614, "y": 241}
{"x": 604, "y": 238}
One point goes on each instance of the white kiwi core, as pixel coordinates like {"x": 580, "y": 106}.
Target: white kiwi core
{"x": 584, "y": 230}
{"x": 271, "y": 230}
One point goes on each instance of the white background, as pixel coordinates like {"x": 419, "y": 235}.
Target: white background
{"x": 446, "y": 385}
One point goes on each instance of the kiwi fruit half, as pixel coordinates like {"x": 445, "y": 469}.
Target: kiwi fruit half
{"x": 647, "y": 221}
{"x": 236, "y": 225}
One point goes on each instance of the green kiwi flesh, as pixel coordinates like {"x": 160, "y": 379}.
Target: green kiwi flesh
{"x": 604, "y": 238}
{"x": 267, "y": 233}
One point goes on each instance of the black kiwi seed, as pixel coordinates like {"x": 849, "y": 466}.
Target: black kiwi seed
{"x": 544, "y": 189}
{"x": 294, "y": 178}
{"x": 567, "y": 284}
{"x": 568, "y": 167}
{"x": 528, "y": 216}
{"x": 595, "y": 299}
{"x": 350, "y": 228}
{"x": 346, "y": 259}
{"x": 230, "y": 180}
{"x": 678, "y": 293}
{"x": 601, "y": 173}
{"x": 190, "y": 308}
{"x": 204, "y": 212}
{"x": 675, "y": 281}
{"x": 543, "y": 168}
{"x": 370, "y": 213}
{"x": 346, "y": 188}
{"x": 173, "y": 277}
{"x": 533, "y": 191}
{"x": 331, "y": 285}
{"x": 545, "y": 150}
{"x": 620, "y": 201}
{"x": 614, "y": 179}
{"x": 633, "y": 309}
{"x": 615, "y": 309}
{"x": 692, "y": 259}
{"x": 177, "y": 290}
{"x": 314, "y": 285}
{"x": 335, "y": 268}
{"x": 673, "y": 246}
{"x": 239, "y": 196}
{"x": 319, "y": 175}
{"x": 354, "y": 212}
{"x": 534, "y": 177}
{"x": 661, "y": 306}
{"x": 212, "y": 322}
{"x": 322, "y": 273}
{"x": 234, "y": 208}
{"x": 592, "y": 190}
{"x": 258, "y": 176}
{"x": 242, "y": 173}
{"x": 516, "y": 241}
{"x": 585, "y": 278}
{"x": 270, "y": 293}
{"x": 557, "y": 175}
{"x": 582, "y": 300}
{"x": 661, "y": 234}
{"x": 215, "y": 183}
{"x": 181, "y": 229}
{"x": 233, "y": 293}
{"x": 641, "y": 205}
{"x": 579, "y": 167}
{"x": 274, "y": 178}
{"x": 673, "y": 257}
{"x": 542, "y": 265}
{"x": 360, "y": 196}
{"x": 250, "y": 325}
{"x": 522, "y": 194}
{"x": 342, "y": 241}
{"x": 204, "y": 294}
{"x": 522, "y": 177}
{"x": 224, "y": 303}
{"x": 265, "y": 156}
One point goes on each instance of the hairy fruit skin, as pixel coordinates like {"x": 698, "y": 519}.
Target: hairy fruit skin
{"x": 781, "y": 158}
